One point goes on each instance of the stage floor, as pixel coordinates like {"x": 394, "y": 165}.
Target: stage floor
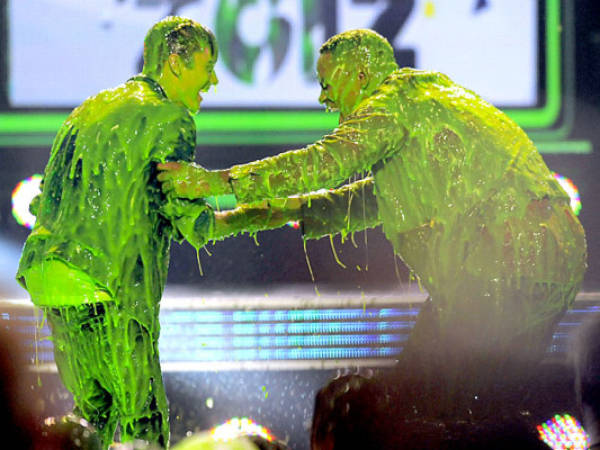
{"x": 265, "y": 354}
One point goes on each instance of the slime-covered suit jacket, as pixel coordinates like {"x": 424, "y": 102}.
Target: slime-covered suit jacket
{"x": 462, "y": 193}
{"x": 101, "y": 209}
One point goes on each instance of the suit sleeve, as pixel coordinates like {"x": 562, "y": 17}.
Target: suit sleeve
{"x": 192, "y": 220}
{"x": 366, "y": 137}
{"x": 350, "y": 208}
{"x": 176, "y": 140}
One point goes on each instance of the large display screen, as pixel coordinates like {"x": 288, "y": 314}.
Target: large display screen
{"x": 62, "y": 51}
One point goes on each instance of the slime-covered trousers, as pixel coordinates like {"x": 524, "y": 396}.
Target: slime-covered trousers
{"x": 109, "y": 362}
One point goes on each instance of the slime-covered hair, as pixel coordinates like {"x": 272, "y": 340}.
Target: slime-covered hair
{"x": 177, "y": 35}
{"x": 363, "y": 46}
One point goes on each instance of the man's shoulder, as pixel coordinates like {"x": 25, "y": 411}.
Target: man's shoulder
{"x": 138, "y": 97}
{"x": 410, "y": 77}
{"x": 413, "y": 86}
{"x": 151, "y": 96}
{"x": 139, "y": 92}
{"x": 407, "y": 82}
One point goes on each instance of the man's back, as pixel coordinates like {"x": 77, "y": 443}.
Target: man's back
{"x": 464, "y": 189}
{"x": 99, "y": 210}
{"x": 456, "y": 152}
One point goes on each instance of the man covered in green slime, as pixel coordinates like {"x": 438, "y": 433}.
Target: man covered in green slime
{"x": 463, "y": 196}
{"x": 96, "y": 261}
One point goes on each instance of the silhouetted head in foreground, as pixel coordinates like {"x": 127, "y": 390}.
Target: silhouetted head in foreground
{"x": 69, "y": 433}
{"x": 586, "y": 358}
{"x": 17, "y": 422}
{"x": 354, "y": 412}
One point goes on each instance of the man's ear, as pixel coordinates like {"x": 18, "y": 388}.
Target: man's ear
{"x": 174, "y": 62}
{"x": 363, "y": 78}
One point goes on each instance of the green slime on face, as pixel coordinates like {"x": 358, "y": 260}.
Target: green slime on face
{"x": 175, "y": 35}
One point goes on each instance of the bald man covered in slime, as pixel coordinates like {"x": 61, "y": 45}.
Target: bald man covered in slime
{"x": 462, "y": 193}
{"x": 96, "y": 261}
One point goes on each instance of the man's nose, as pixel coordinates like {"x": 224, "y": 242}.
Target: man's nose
{"x": 213, "y": 79}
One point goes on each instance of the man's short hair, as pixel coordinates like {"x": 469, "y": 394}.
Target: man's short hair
{"x": 364, "y": 45}
{"x": 175, "y": 35}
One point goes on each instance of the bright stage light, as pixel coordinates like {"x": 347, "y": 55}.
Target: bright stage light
{"x": 564, "y": 432}
{"x": 571, "y": 190}
{"x": 22, "y": 196}
{"x": 236, "y": 427}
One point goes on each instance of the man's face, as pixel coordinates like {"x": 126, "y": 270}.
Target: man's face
{"x": 196, "y": 79}
{"x": 340, "y": 83}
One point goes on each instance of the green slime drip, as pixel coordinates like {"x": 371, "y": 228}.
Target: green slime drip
{"x": 97, "y": 259}
{"x": 460, "y": 189}
{"x": 463, "y": 196}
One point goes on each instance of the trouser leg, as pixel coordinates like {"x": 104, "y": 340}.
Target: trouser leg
{"x": 78, "y": 342}
{"x": 109, "y": 361}
{"x": 424, "y": 371}
{"x": 472, "y": 352}
{"x": 141, "y": 401}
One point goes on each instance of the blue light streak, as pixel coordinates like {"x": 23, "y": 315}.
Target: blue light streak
{"x": 278, "y": 334}
{"x": 210, "y": 342}
{"x": 285, "y": 315}
{"x": 281, "y": 354}
{"x": 194, "y": 330}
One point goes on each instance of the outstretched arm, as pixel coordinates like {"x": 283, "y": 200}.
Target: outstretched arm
{"x": 352, "y": 207}
{"x": 366, "y": 137}
{"x": 265, "y": 215}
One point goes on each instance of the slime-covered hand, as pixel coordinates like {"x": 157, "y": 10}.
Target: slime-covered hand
{"x": 193, "y": 220}
{"x": 190, "y": 180}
